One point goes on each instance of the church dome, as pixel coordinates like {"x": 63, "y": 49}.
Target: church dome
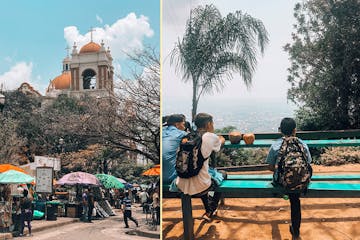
{"x": 62, "y": 82}
{"x": 90, "y": 48}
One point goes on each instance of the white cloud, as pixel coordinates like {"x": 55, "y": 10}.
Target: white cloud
{"x": 18, "y": 74}
{"x": 124, "y": 36}
{"x": 99, "y": 19}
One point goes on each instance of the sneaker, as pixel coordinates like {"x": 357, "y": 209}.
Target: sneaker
{"x": 126, "y": 227}
{"x": 295, "y": 235}
{"x": 214, "y": 213}
{"x": 207, "y": 216}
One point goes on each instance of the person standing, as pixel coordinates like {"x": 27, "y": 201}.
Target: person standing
{"x": 144, "y": 198}
{"x": 85, "y": 207}
{"x": 288, "y": 130}
{"x": 26, "y": 213}
{"x": 91, "y": 203}
{"x": 127, "y": 211}
{"x": 156, "y": 204}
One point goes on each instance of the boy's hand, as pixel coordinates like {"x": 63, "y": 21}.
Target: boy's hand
{"x": 222, "y": 140}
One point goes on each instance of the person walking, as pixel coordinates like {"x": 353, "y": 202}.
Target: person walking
{"x": 26, "y": 213}
{"x": 295, "y": 149}
{"x": 127, "y": 211}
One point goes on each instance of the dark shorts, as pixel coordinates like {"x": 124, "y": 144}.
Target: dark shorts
{"x": 28, "y": 215}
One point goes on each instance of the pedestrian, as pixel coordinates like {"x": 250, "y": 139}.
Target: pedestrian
{"x": 156, "y": 205}
{"x": 143, "y": 198}
{"x": 91, "y": 203}
{"x": 276, "y": 154}
{"x": 202, "y": 183}
{"x": 85, "y": 205}
{"x": 127, "y": 211}
{"x": 26, "y": 213}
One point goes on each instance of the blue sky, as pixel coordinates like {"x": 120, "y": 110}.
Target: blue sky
{"x": 269, "y": 81}
{"x": 36, "y": 33}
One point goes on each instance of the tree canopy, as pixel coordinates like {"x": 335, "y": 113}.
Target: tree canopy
{"x": 213, "y": 48}
{"x": 325, "y": 64}
{"x": 128, "y": 121}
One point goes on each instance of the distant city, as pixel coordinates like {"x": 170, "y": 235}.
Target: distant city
{"x": 246, "y": 116}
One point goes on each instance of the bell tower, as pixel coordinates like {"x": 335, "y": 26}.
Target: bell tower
{"x": 91, "y": 70}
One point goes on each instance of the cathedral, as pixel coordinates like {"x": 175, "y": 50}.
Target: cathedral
{"x": 87, "y": 72}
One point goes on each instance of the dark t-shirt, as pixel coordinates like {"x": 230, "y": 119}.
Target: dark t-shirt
{"x": 25, "y": 203}
{"x": 91, "y": 199}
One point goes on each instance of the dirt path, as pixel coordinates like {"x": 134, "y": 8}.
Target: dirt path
{"x": 268, "y": 218}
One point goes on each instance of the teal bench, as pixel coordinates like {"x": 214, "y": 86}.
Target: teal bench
{"x": 259, "y": 186}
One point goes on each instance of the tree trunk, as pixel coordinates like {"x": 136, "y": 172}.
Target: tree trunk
{"x": 194, "y": 101}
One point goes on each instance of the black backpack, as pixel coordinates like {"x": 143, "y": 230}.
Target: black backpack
{"x": 294, "y": 171}
{"x": 189, "y": 159}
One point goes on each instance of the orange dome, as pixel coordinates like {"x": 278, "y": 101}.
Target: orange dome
{"x": 90, "y": 47}
{"x": 63, "y": 81}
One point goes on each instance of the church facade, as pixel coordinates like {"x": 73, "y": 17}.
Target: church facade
{"x": 88, "y": 71}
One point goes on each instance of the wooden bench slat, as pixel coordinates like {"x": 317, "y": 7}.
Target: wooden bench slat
{"x": 311, "y": 143}
{"x": 231, "y": 185}
{"x": 322, "y": 177}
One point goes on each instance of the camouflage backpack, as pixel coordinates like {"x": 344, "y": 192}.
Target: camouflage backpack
{"x": 294, "y": 171}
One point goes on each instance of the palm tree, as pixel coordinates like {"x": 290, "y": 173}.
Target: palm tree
{"x": 215, "y": 47}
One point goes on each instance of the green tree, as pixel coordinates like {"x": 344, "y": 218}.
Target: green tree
{"x": 325, "y": 64}
{"x": 213, "y": 48}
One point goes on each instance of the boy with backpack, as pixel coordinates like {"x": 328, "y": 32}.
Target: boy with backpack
{"x": 192, "y": 163}
{"x": 172, "y": 133}
{"x": 289, "y": 158}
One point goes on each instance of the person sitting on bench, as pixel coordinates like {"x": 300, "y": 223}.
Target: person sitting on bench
{"x": 202, "y": 183}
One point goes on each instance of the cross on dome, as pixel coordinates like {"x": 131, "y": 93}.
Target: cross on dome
{"x": 91, "y": 30}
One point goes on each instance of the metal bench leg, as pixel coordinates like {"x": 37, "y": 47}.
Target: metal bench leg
{"x": 188, "y": 220}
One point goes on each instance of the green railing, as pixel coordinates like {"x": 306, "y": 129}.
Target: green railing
{"x": 243, "y": 186}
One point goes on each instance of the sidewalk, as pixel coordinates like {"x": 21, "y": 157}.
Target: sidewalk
{"x": 143, "y": 230}
{"x": 40, "y": 225}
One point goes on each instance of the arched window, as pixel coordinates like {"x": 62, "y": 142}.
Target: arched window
{"x": 89, "y": 79}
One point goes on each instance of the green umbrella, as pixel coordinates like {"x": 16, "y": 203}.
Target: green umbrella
{"x": 109, "y": 181}
{"x": 13, "y": 176}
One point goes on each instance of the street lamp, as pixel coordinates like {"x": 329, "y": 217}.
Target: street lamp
{"x": 2, "y": 102}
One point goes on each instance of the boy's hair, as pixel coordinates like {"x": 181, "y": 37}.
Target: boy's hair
{"x": 175, "y": 118}
{"x": 201, "y": 119}
{"x": 287, "y": 126}
{"x": 187, "y": 126}
{"x": 164, "y": 120}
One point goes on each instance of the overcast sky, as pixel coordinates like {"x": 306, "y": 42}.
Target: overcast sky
{"x": 269, "y": 81}
{"x": 36, "y": 33}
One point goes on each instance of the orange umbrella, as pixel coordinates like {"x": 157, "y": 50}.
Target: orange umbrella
{"x": 6, "y": 167}
{"x": 154, "y": 171}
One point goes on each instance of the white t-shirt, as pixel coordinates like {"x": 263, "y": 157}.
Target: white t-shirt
{"x": 143, "y": 196}
{"x": 202, "y": 181}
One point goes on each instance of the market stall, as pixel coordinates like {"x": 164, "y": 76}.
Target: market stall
{"x": 77, "y": 180}
{"x": 9, "y": 200}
